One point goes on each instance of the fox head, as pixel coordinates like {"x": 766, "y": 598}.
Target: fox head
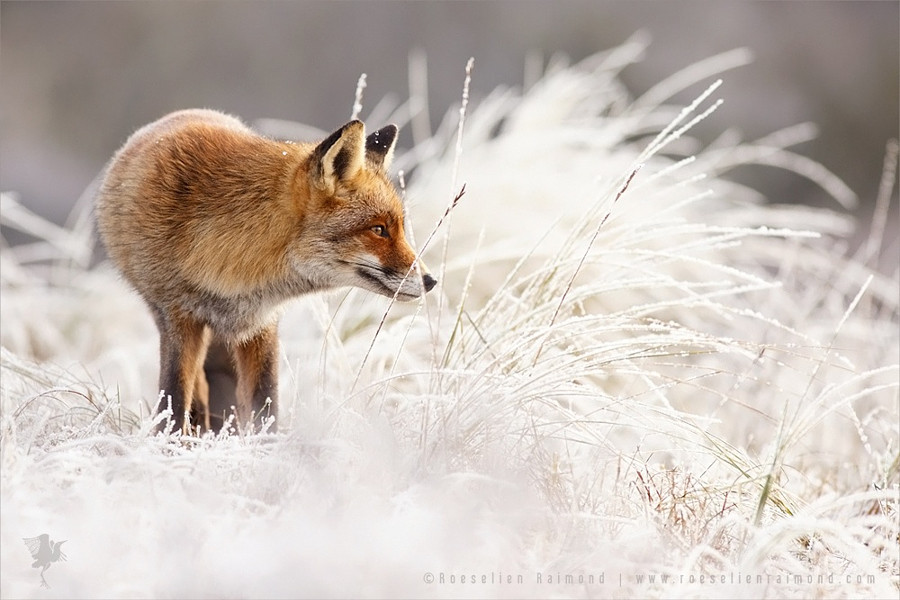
{"x": 353, "y": 224}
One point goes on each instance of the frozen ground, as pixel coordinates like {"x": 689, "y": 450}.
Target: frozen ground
{"x": 626, "y": 373}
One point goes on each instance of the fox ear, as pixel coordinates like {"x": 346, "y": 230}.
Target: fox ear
{"x": 380, "y": 147}
{"x": 339, "y": 156}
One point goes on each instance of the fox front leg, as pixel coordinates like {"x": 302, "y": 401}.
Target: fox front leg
{"x": 257, "y": 369}
{"x": 183, "y": 343}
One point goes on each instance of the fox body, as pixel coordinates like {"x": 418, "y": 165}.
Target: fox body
{"x": 216, "y": 227}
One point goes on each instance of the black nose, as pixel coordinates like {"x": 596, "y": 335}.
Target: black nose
{"x": 429, "y": 282}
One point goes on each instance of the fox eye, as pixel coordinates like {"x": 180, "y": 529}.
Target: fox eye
{"x": 380, "y": 231}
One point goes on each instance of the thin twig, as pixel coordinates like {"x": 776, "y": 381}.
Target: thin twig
{"x": 357, "y": 100}
{"x": 587, "y": 250}
{"x": 381, "y": 323}
{"x": 457, "y": 155}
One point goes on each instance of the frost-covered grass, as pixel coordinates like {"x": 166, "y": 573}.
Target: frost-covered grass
{"x": 632, "y": 368}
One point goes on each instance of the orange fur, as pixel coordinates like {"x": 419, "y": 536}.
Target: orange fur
{"x": 216, "y": 226}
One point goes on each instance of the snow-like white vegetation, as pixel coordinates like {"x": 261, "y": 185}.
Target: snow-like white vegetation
{"x": 636, "y": 379}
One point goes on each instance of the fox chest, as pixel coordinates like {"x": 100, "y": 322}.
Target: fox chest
{"x": 234, "y": 318}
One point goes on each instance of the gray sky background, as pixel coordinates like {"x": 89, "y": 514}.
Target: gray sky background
{"x": 78, "y": 77}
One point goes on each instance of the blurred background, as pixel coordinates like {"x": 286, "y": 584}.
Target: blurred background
{"x": 79, "y": 77}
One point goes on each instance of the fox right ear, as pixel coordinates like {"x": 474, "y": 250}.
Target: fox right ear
{"x": 339, "y": 156}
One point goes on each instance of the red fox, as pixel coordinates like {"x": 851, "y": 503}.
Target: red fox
{"x": 217, "y": 226}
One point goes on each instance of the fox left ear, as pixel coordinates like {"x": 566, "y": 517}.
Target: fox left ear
{"x": 339, "y": 157}
{"x": 380, "y": 147}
